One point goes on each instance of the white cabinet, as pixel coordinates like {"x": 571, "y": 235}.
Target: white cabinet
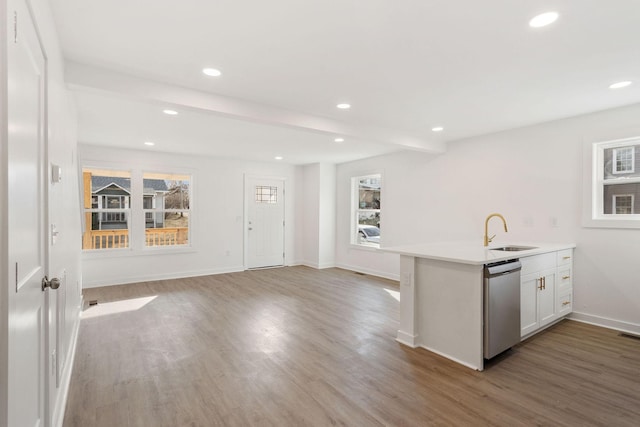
{"x": 564, "y": 301}
{"x": 546, "y": 290}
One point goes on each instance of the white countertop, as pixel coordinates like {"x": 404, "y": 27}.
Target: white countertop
{"x": 474, "y": 252}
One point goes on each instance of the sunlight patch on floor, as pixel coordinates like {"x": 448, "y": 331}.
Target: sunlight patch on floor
{"x": 115, "y": 307}
{"x": 394, "y": 294}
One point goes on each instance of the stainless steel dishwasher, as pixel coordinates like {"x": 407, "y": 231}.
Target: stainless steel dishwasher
{"x": 501, "y": 306}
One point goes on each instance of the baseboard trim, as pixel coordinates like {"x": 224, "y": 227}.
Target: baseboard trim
{"x": 63, "y": 393}
{"x": 163, "y": 276}
{"x": 467, "y": 364}
{"x": 407, "y": 339}
{"x": 316, "y": 265}
{"x": 382, "y": 274}
{"x": 605, "y": 322}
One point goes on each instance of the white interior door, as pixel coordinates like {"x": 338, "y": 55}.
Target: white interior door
{"x": 265, "y": 222}
{"x": 27, "y": 236}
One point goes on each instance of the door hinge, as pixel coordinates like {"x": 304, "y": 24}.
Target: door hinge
{"x": 15, "y": 26}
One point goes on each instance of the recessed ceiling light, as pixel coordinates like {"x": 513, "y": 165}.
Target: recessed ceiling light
{"x": 343, "y": 106}
{"x": 170, "y": 112}
{"x": 339, "y": 140}
{"x": 278, "y": 157}
{"x": 619, "y": 85}
{"x": 213, "y": 72}
{"x": 437, "y": 129}
{"x": 543, "y": 19}
{"x": 149, "y": 143}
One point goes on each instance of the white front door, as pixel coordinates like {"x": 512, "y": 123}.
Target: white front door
{"x": 265, "y": 222}
{"x": 27, "y": 236}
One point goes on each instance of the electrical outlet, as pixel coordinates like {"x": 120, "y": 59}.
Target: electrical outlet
{"x": 406, "y": 279}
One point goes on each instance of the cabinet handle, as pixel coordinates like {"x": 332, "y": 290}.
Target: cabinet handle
{"x": 543, "y": 284}
{"x": 566, "y": 257}
{"x": 566, "y": 277}
{"x": 566, "y": 303}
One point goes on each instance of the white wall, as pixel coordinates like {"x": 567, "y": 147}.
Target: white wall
{"x": 327, "y": 216}
{"x": 317, "y": 214}
{"x": 310, "y": 214}
{"x": 534, "y": 177}
{"x": 64, "y": 255}
{"x": 217, "y": 217}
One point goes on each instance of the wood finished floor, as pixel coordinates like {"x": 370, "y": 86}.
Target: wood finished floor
{"x": 302, "y": 347}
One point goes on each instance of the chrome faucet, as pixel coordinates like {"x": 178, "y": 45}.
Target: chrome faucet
{"x": 488, "y": 239}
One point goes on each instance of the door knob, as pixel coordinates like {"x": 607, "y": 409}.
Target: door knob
{"x": 53, "y": 283}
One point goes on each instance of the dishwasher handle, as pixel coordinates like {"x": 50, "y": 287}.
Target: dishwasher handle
{"x": 498, "y": 269}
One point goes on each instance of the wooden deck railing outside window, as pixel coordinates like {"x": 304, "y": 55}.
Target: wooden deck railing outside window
{"x": 108, "y": 239}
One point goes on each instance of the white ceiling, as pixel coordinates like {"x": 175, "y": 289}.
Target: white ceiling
{"x": 473, "y": 67}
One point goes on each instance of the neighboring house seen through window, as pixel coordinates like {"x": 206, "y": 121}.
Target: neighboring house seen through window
{"x": 623, "y": 160}
{"x": 623, "y": 204}
{"x": 166, "y": 206}
{"x": 109, "y": 210}
{"x": 616, "y": 181}
{"x": 365, "y": 229}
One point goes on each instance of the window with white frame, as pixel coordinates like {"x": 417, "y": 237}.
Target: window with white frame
{"x": 623, "y": 204}
{"x": 163, "y": 216}
{"x": 623, "y": 160}
{"x": 107, "y": 196}
{"x": 615, "y": 183}
{"x": 365, "y": 201}
{"x": 166, "y": 204}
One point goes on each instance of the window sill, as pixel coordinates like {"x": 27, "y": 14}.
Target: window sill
{"x": 623, "y": 223}
{"x": 365, "y": 247}
{"x": 128, "y": 252}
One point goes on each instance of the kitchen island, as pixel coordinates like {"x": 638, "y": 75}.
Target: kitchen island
{"x": 441, "y": 293}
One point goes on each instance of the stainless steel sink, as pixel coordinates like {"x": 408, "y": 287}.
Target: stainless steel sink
{"x": 513, "y": 248}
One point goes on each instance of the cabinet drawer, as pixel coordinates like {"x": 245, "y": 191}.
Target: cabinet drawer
{"x": 534, "y": 263}
{"x": 565, "y": 257}
{"x": 564, "y": 279}
{"x": 565, "y": 303}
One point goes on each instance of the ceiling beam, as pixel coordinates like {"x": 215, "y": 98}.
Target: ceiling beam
{"x": 87, "y": 77}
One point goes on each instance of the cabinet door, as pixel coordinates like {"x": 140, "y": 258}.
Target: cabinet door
{"x": 547, "y": 298}
{"x": 529, "y": 303}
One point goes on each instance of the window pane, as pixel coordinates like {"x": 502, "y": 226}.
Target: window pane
{"x": 166, "y": 191}
{"x": 106, "y": 202}
{"x": 266, "y": 194}
{"x": 369, "y": 193}
{"x": 624, "y": 159}
{"x": 167, "y": 228}
{"x": 366, "y": 210}
{"x": 620, "y": 160}
{"x": 619, "y": 199}
{"x": 623, "y": 204}
{"x": 369, "y": 228}
{"x": 162, "y": 192}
